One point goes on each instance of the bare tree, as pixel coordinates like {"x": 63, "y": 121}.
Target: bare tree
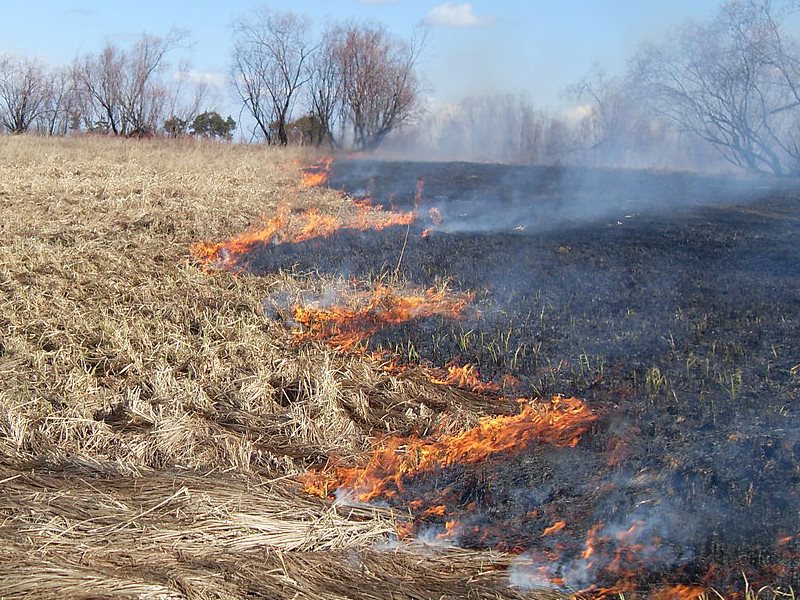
{"x": 24, "y": 90}
{"x": 145, "y": 95}
{"x": 606, "y": 106}
{"x": 380, "y": 87}
{"x": 125, "y": 89}
{"x": 60, "y": 110}
{"x": 270, "y": 52}
{"x": 101, "y": 79}
{"x": 734, "y": 83}
{"x": 186, "y": 100}
{"x": 325, "y": 85}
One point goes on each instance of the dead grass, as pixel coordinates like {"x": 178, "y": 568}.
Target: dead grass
{"x": 152, "y": 417}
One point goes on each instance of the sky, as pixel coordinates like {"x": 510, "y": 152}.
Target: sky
{"x": 535, "y": 47}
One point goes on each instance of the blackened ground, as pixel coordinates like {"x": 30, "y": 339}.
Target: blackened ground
{"x": 670, "y": 302}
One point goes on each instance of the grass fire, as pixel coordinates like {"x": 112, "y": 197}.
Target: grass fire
{"x": 351, "y": 378}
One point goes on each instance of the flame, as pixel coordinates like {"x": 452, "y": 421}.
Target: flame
{"x": 285, "y": 227}
{"x": 554, "y": 528}
{"x": 559, "y": 422}
{"x": 783, "y": 541}
{"x": 316, "y": 174}
{"x": 591, "y": 541}
{"x": 680, "y": 592}
{"x": 466, "y": 376}
{"x": 345, "y": 328}
{"x": 436, "y": 219}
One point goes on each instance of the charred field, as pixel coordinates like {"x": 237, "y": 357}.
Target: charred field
{"x": 668, "y": 301}
{"x": 298, "y": 413}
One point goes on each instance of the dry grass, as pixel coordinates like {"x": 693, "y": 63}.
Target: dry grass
{"x": 152, "y": 418}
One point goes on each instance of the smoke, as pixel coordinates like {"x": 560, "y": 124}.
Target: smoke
{"x": 511, "y": 129}
{"x": 666, "y": 300}
{"x": 485, "y": 198}
{"x": 641, "y": 542}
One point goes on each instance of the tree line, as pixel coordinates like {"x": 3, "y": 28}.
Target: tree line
{"x": 727, "y": 89}
{"x": 355, "y": 83}
{"x": 118, "y": 91}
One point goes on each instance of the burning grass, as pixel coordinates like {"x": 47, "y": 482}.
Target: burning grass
{"x": 152, "y": 418}
{"x": 155, "y": 420}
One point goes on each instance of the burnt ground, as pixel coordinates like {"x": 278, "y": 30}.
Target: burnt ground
{"x": 670, "y": 302}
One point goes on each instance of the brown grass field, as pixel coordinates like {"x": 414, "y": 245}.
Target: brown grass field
{"x": 154, "y": 422}
{"x": 147, "y": 449}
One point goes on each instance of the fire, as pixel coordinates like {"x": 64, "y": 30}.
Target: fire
{"x": 435, "y": 216}
{"x": 680, "y": 592}
{"x": 316, "y": 174}
{"x": 466, "y": 376}
{"x": 345, "y": 328}
{"x": 398, "y": 460}
{"x": 285, "y": 227}
{"x": 788, "y": 539}
{"x": 554, "y": 528}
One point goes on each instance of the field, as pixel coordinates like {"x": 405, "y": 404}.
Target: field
{"x": 163, "y": 417}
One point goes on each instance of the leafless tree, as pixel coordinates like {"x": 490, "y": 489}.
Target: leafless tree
{"x": 187, "y": 98}
{"x": 380, "y": 87}
{"x": 611, "y": 123}
{"x": 100, "y": 78}
{"x": 270, "y": 52}
{"x": 61, "y": 108}
{"x": 24, "y": 90}
{"x": 325, "y": 85}
{"x": 734, "y": 83}
{"x": 606, "y": 107}
{"x": 124, "y": 89}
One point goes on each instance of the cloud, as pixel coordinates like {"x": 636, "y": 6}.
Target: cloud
{"x": 451, "y": 14}
{"x": 211, "y": 78}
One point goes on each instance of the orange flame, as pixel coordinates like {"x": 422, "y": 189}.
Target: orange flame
{"x": 284, "y": 227}
{"x": 559, "y": 422}
{"x": 466, "y": 376}
{"x": 346, "y": 328}
{"x": 680, "y": 592}
{"x": 436, "y": 219}
{"x": 787, "y": 539}
{"x": 316, "y": 174}
{"x": 554, "y": 528}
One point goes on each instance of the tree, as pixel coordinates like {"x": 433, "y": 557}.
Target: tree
{"x": 124, "y": 89}
{"x": 61, "y": 106}
{"x": 212, "y": 125}
{"x": 734, "y": 83}
{"x": 270, "y": 52}
{"x": 306, "y": 130}
{"x": 175, "y": 126}
{"x": 24, "y": 91}
{"x": 325, "y": 86}
{"x": 379, "y": 84}
{"x": 184, "y": 104}
{"x": 610, "y": 119}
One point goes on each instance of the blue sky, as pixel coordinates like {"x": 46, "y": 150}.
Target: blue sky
{"x": 534, "y": 47}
